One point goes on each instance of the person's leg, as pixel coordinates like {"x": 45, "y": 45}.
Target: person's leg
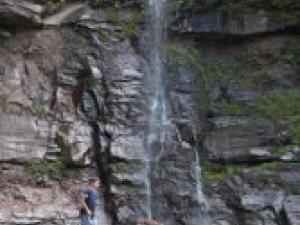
{"x": 93, "y": 221}
{"x": 85, "y": 220}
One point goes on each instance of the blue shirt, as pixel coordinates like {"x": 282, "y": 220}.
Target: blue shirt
{"x": 91, "y": 197}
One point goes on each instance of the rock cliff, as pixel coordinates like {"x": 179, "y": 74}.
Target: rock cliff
{"x": 74, "y": 104}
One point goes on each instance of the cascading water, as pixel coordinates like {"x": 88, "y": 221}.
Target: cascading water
{"x": 160, "y": 123}
{"x": 158, "y": 105}
{"x": 203, "y": 204}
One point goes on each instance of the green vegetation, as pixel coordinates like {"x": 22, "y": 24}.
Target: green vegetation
{"x": 58, "y": 1}
{"x": 283, "y": 104}
{"x": 213, "y": 69}
{"x": 51, "y": 168}
{"x": 127, "y": 167}
{"x": 216, "y": 172}
{"x": 264, "y": 180}
{"x": 286, "y": 54}
{"x": 6, "y": 32}
{"x": 276, "y": 165}
{"x": 276, "y": 105}
{"x": 105, "y": 3}
{"x": 279, "y": 104}
{"x": 3, "y": 99}
{"x": 290, "y": 54}
{"x": 130, "y": 26}
{"x": 282, "y": 11}
{"x": 40, "y": 110}
{"x": 296, "y": 133}
{"x": 46, "y": 168}
{"x": 129, "y": 187}
{"x": 65, "y": 154}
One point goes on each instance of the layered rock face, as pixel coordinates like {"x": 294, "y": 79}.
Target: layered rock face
{"x": 39, "y": 126}
{"x": 247, "y": 99}
{"x": 43, "y": 134}
{"x": 74, "y": 104}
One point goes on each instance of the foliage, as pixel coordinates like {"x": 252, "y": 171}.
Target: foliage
{"x": 6, "y": 32}
{"x": 279, "y": 104}
{"x": 213, "y": 69}
{"x": 43, "y": 167}
{"x": 51, "y": 168}
{"x": 129, "y": 167}
{"x": 105, "y": 3}
{"x": 282, "y": 11}
{"x": 65, "y": 155}
{"x": 40, "y": 110}
{"x": 130, "y": 27}
{"x": 290, "y": 54}
{"x": 3, "y": 99}
{"x": 296, "y": 133}
{"x": 216, "y": 172}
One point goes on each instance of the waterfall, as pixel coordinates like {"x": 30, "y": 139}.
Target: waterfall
{"x": 203, "y": 204}
{"x": 159, "y": 123}
{"x": 202, "y": 201}
{"x": 157, "y": 100}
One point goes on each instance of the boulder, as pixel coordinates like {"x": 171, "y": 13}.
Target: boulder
{"x": 291, "y": 207}
{"x": 239, "y": 139}
{"x": 147, "y": 222}
{"x": 233, "y": 18}
{"x": 259, "y": 200}
{"x": 16, "y": 12}
{"x": 69, "y": 14}
{"x": 23, "y": 139}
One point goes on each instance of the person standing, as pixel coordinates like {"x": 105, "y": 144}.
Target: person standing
{"x": 89, "y": 202}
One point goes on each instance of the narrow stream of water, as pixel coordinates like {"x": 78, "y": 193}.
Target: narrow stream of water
{"x": 159, "y": 121}
{"x": 158, "y": 114}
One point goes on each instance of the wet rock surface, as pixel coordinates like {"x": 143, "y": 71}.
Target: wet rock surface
{"x": 73, "y": 104}
{"x": 14, "y": 12}
{"x": 232, "y": 18}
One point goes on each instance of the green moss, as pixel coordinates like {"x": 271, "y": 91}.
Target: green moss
{"x": 289, "y": 54}
{"x": 296, "y": 133}
{"x": 65, "y": 155}
{"x": 6, "y": 32}
{"x": 262, "y": 178}
{"x": 3, "y": 99}
{"x": 129, "y": 187}
{"x": 280, "y": 149}
{"x": 283, "y": 11}
{"x": 43, "y": 167}
{"x": 276, "y": 105}
{"x": 215, "y": 172}
{"x": 112, "y": 15}
{"x": 40, "y": 110}
{"x": 127, "y": 167}
{"x": 106, "y": 3}
{"x": 215, "y": 69}
{"x": 51, "y": 168}
{"x": 277, "y": 165}
{"x": 130, "y": 27}
{"x": 279, "y": 104}
{"x": 233, "y": 108}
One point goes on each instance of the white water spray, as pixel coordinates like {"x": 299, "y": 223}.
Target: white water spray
{"x": 158, "y": 110}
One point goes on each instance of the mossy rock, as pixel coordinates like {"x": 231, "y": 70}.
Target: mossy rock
{"x": 127, "y": 167}
{"x": 39, "y": 168}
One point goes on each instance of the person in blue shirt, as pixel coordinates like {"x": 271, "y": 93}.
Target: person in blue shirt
{"x": 89, "y": 202}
